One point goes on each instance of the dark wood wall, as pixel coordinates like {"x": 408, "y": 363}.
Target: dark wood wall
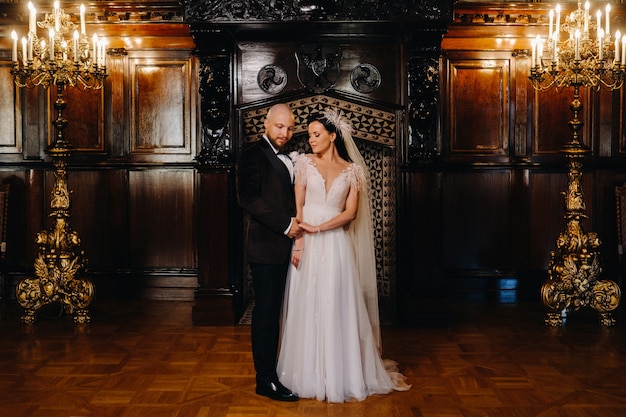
{"x": 479, "y": 171}
{"x": 491, "y": 206}
{"x": 132, "y": 174}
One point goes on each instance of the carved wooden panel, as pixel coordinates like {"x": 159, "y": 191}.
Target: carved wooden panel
{"x": 551, "y": 117}
{"x": 479, "y": 106}
{"x": 99, "y": 210}
{"x": 85, "y": 116}
{"x": 419, "y": 231}
{"x": 9, "y": 142}
{"x": 161, "y": 214}
{"x": 24, "y": 214}
{"x": 622, "y": 124}
{"x": 368, "y": 71}
{"x": 160, "y": 104}
{"x": 476, "y": 220}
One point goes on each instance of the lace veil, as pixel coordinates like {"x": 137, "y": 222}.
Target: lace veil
{"x": 361, "y": 228}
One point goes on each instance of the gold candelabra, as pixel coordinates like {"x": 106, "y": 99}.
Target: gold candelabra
{"x": 65, "y": 57}
{"x": 578, "y": 53}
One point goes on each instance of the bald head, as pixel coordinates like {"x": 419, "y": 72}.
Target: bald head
{"x": 280, "y": 124}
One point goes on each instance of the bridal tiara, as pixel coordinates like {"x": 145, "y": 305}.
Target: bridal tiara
{"x": 342, "y": 124}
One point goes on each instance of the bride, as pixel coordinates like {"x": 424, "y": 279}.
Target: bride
{"x": 330, "y": 342}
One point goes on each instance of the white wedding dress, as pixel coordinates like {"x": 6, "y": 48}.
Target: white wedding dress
{"x": 328, "y": 349}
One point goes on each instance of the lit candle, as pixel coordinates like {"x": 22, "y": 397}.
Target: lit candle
{"x": 57, "y": 22}
{"x": 31, "y": 39}
{"x": 533, "y": 59}
{"x": 539, "y": 51}
{"x": 550, "y": 30}
{"x": 617, "y": 52}
{"x": 577, "y": 56}
{"x": 587, "y": 5}
{"x": 623, "y": 50}
{"x": 32, "y": 25}
{"x": 103, "y": 54}
{"x": 82, "y": 19}
{"x": 99, "y": 52}
{"x": 75, "y": 46}
{"x": 42, "y": 46}
{"x": 24, "y": 50}
{"x": 599, "y": 19}
{"x": 94, "y": 58}
{"x": 51, "y": 32}
{"x": 554, "y": 46}
{"x": 607, "y": 29}
{"x": 14, "y": 52}
{"x": 600, "y": 37}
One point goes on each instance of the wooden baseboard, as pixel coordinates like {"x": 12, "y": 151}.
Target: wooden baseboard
{"x": 213, "y": 307}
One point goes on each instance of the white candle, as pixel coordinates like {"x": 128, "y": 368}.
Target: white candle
{"x": 587, "y": 5}
{"x": 82, "y": 19}
{"x": 554, "y": 47}
{"x": 558, "y": 17}
{"x": 32, "y": 24}
{"x": 99, "y": 52}
{"x": 14, "y": 52}
{"x": 533, "y": 59}
{"x": 57, "y": 22}
{"x": 103, "y": 55}
{"x": 75, "y": 46}
{"x": 623, "y": 50}
{"x": 51, "y": 32}
{"x": 577, "y": 57}
{"x": 24, "y": 54}
{"x": 539, "y": 51}
{"x": 31, "y": 39}
{"x": 617, "y": 51}
{"x": 550, "y": 30}
{"x": 607, "y": 29}
{"x": 599, "y": 20}
{"x": 94, "y": 58}
{"x": 600, "y": 38}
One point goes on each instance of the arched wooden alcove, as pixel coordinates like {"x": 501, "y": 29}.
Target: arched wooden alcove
{"x": 378, "y": 62}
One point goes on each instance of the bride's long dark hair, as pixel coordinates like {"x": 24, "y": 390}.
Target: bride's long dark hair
{"x": 332, "y": 128}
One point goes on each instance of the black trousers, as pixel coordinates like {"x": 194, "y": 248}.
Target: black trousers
{"x": 268, "y": 282}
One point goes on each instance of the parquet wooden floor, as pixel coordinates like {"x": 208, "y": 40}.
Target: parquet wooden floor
{"x": 144, "y": 358}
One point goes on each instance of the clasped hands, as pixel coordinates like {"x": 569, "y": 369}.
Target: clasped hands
{"x": 298, "y": 227}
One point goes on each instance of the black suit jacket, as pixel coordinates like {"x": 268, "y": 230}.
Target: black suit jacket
{"x": 266, "y": 194}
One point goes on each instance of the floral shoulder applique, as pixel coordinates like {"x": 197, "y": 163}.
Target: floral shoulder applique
{"x": 303, "y": 165}
{"x": 359, "y": 178}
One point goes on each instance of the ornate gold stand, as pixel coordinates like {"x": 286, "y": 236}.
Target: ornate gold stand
{"x": 59, "y": 260}
{"x": 63, "y": 57}
{"x": 575, "y": 265}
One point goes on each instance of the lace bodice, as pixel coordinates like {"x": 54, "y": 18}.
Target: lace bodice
{"x": 331, "y": 195}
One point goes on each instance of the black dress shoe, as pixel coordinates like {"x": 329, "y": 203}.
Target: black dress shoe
{"x": 276, "y": 391}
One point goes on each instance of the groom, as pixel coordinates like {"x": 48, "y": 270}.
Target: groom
{"x": 265, "y": 192}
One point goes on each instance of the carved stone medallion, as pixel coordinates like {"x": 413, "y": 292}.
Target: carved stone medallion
{"x": 365, "y": 78}
{"x": 272, "y": 79}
